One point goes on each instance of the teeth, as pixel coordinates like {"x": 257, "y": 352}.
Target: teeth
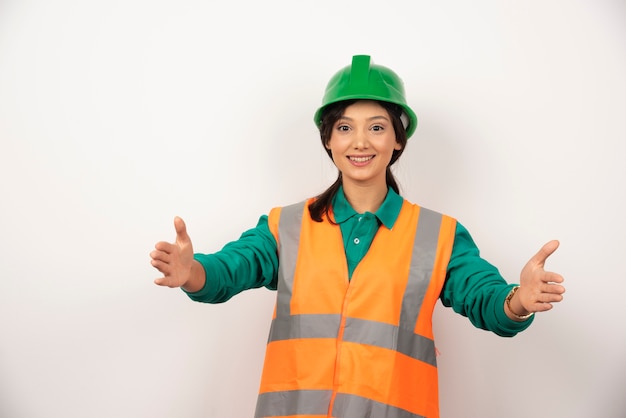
{"x": 360, "y": 159}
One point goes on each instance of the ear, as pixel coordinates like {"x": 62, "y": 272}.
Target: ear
{"x": 398, "y": 146}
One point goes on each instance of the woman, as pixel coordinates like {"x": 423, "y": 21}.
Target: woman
{"x": 358, "y": 271}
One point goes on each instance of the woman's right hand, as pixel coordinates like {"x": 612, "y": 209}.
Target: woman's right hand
{"x": 175, "y": 260}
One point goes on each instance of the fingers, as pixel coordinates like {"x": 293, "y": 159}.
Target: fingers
{"x": 542, "y": 307}
{"x": 550, "y": 277}
{"x": 173, "y": 259}
{"x": 181, "y": 230}
{"x": 540, "y": 288}
{"x": 545, "y": 301}
{"x": 552, "y": 289}
{"x": 544, "y": 297}
{"x": 165, "y": 247}
{"x": 545, "y": 252}
{"x": 554, "y": 295}
{"x": 162, "y": 266}
{"x": 161, "y": 257}
{"x": 167, "y": 271}
{"x": 161, "y": 253}
{"x": 181, "y": 237}
{"x": 162, "y": 281}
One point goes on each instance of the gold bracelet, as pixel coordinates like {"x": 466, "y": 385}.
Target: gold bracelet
{"x": 508, "y": 304}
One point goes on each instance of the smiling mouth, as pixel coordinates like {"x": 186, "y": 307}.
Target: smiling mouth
{"x": 360, "y": 159}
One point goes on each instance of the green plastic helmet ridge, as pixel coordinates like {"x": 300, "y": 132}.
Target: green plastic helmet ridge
{"x": 364, "y": 80}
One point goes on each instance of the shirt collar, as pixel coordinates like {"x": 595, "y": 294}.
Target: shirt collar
{"x": 387, "y": 213}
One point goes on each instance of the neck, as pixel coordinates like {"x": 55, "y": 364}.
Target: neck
{"x": 365, "y": 198}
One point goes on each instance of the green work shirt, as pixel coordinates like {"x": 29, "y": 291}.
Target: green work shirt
{"x": 473, "y": 287}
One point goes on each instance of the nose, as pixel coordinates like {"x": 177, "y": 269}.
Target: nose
{"x": 360, "y": 140}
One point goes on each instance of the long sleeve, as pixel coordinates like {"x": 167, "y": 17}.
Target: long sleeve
{"x": 247, "y": 263}
{"x": 474, "y": 288}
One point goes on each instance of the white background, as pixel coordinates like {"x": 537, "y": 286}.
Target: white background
{"x": 115, "y": 116}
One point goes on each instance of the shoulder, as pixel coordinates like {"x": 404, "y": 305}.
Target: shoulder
{"x": 291, "y": 208}
{"x": 292, "y": 212}
{"x": 407, "y": 204}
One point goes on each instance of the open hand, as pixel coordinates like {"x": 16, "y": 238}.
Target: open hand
{"x": 174, "y": 260}
{"x": 539, "y": 288}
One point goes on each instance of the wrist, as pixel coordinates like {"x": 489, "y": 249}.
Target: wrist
{"x": 197, "y": 278}
{"x": 514, "y": 308}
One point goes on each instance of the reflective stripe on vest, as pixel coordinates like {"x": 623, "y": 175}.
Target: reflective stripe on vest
{"x": 340, "y": 349}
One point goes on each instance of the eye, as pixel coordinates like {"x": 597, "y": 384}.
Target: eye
{"x": 343, "y": 128}
{"x": 377, "y": 128}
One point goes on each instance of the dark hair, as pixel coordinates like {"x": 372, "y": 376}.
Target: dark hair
{"x": 331, "y": 114}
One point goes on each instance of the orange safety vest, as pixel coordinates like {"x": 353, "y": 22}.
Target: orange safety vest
{"x": 362, "y": 347}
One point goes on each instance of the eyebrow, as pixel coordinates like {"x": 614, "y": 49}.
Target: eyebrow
{"x": 368, "y": 119}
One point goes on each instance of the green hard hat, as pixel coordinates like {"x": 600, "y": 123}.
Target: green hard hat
{"x": 363, "y": 80}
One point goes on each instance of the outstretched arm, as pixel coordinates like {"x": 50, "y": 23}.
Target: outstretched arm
{"x": 539, "y": 288}
{"x": 175, "y": 260}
